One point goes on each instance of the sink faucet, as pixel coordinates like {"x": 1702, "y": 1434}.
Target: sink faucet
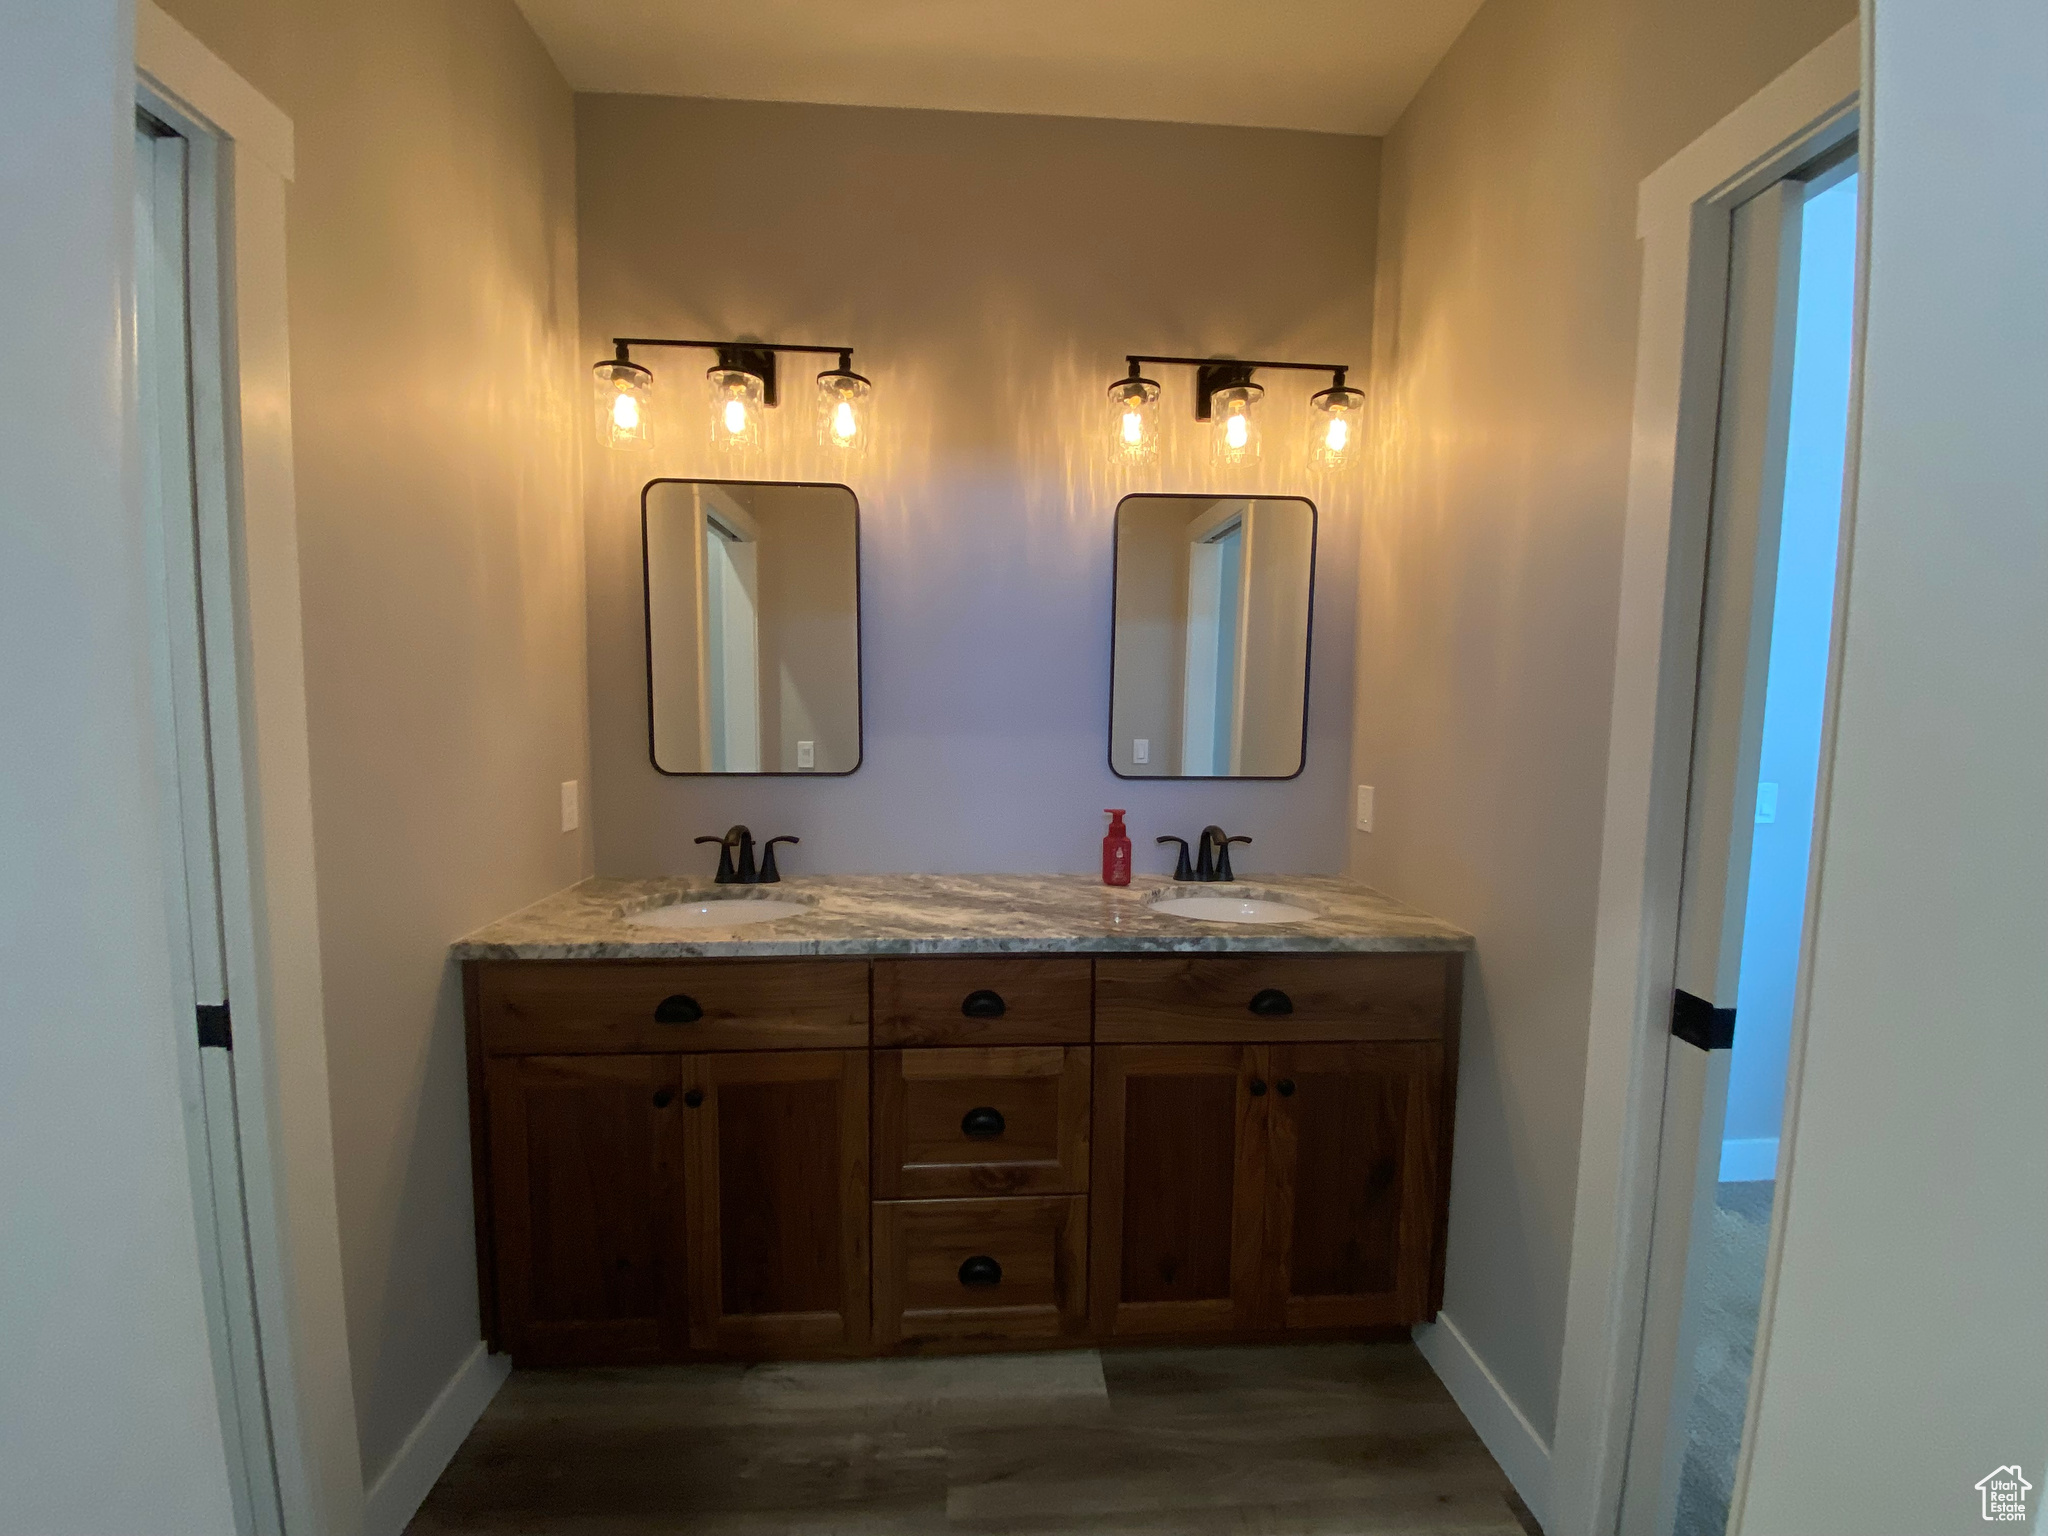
{"x": 1213, "y": 859}
{"x": 1214, "y": 863}
{"x": 738, "y": 841}
{"x": 736, "y": 858}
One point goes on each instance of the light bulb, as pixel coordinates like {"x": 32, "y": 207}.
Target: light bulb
{"x": 1236, "y": 430}
{"x": 624, "y": 391}
{"x": 1333, "y": 418}
{"x": 843, "y": 422}
{"x": 1134, "y": 403}
{"x": 737, "y": 400}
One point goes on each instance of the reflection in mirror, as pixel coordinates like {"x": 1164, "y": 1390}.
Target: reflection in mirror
{"x": 753, "y": 626}
{"x": 1209, "y": 677}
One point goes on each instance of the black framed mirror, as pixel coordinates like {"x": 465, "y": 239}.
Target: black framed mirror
{"x": 1209, "y": 647}
{"x": 753, "y": 626}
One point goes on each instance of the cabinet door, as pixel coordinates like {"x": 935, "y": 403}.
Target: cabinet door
{"x": 586, "y": 1201}
{"x": 776, "y": 1152}
{"x": 1352, "y": 1209}
{"x": 1179, "y": 1181}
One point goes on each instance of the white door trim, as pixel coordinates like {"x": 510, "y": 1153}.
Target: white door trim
{"x": 1682, "y": 219}
{"x": 264, "y": 787}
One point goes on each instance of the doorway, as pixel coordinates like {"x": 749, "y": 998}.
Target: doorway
{"x": 1767, "y": 617}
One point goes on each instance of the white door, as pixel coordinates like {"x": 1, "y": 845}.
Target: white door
{"x": 1784, "y": 393}
{"x": 168, "y": 371}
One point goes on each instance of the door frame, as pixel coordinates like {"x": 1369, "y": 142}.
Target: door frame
{"x": 241, "y": 148}
{"x": 1684, "y": 210}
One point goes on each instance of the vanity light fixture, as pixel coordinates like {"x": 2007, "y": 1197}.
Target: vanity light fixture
{"x": 742, "y": 385}
{"x": 1227, "y": 396}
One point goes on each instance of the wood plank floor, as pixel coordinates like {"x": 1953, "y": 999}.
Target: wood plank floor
{"x": 1286, "y": 1441}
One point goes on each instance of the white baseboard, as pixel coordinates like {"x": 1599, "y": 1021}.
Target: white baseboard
{"x": 1750, "y": 1158}
{"x": 399, "y": 1490}
{"x": 1521, "y": 1452}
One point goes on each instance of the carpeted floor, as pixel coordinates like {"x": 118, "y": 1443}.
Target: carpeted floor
{"x": 1733, "y": 1273}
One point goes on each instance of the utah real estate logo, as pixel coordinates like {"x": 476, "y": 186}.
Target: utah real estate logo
{"x": 2005, "y": 1494}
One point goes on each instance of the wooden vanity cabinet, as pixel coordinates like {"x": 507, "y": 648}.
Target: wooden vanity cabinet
{"x": 813, "y": 1157}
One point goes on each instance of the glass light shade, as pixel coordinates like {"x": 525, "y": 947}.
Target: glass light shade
{"x": 1133, "y": 421}
{"x": 1334, "y": 419}
{"x": 737, "y": 401}
{"x": 1234, "y": 424}
{"x": 625, "y": 397}
{"x": 843, "y": 410}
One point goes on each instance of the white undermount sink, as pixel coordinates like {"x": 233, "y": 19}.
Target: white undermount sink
{"x": 717, "y": 912}
{"x": 1229, "y": 908}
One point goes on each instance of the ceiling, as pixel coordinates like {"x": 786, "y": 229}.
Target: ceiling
{"x": 1337, "y": 66}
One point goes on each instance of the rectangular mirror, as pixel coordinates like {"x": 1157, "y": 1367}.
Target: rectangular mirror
{"x": 1209, "y": 649}
{"x": 753, "y": 626}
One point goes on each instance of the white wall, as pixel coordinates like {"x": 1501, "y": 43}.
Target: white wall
{"x": 108, "y": 1419}
{"x": 1908, "y": 1348}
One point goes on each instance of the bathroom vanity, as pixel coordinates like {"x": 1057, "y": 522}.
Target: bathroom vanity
{"x": 947, "y": 1113}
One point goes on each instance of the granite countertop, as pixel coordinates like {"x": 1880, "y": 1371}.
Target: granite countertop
{"x": 955, "y": 915}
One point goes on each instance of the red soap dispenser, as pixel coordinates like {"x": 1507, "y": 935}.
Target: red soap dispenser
{"x": 1116, "y": 852}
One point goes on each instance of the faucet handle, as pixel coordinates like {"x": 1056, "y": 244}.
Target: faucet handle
{"x": 770, "y": 875}
{"x": 1223, "y": 857}
{"x": 1182, "y": 870}
{"x": 726, "y": 875}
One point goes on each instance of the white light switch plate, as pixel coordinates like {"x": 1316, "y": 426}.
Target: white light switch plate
{"x": 1141, "y": 750}
{"x": 572, "y": 805}
{"x": 807, "y": 754}
{"x": 1766, "y": 803}
{"x": 1365, "y": 807}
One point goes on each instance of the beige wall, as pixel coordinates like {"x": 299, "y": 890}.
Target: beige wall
{"x": 1151, "y": 632}
{"x": 1504, "y": 338}
{"x": 1279, "y": 545}
{"x": 991, "y": 271}
{"x": 810, "y": 632}
{"x": 438, "y": 412}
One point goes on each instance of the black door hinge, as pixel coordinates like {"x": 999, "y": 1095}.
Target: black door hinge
{"x": 213, "y": 1026}
{"x": 1698, "y": 1022}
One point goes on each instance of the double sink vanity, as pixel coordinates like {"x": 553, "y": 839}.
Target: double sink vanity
{"x": 923, "y": 1113}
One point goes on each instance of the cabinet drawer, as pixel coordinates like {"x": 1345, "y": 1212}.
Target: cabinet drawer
{"x": 989, "y": 1271}
{"x": 1272, "y": 997}
{"x": 981, "y": 1120}
{"x": 567, "y": 1007}
{"x": 982, "y": 1000}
